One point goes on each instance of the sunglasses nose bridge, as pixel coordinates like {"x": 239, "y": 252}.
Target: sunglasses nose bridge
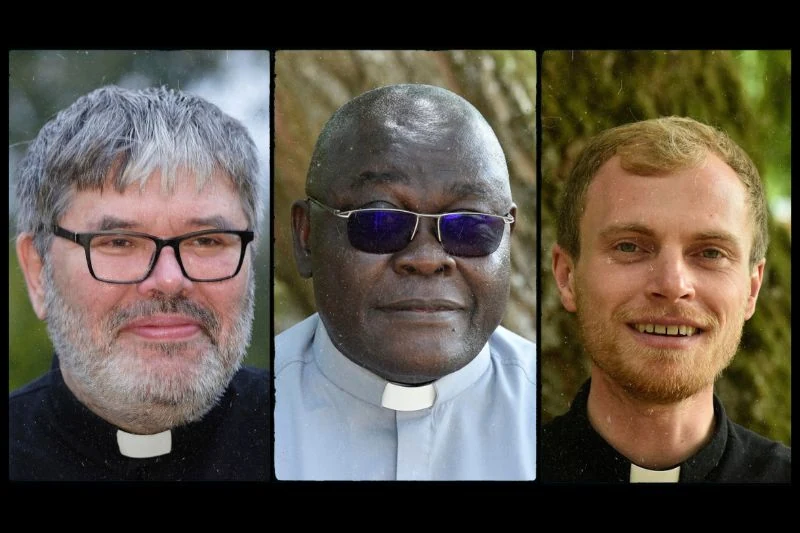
{"x": 416, "y": 227}
{"x": 425, "y": 215}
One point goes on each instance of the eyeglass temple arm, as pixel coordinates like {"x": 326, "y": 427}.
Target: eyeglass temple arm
{"x": 66, "y": 234}
{"x": 337, "y": 212}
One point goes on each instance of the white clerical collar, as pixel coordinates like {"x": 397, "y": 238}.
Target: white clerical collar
{"x": 643, "y": 475}
{"x": 375, "y": 390}
{"x": 144, "y": 446}
{"x": 407, "y": 398}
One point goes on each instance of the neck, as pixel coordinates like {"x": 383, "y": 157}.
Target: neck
{"x": 654, "y": 436}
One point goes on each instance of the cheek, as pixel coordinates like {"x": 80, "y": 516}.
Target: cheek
{"x": 605, "y": 288}
{"x": 725, "y": 296}
{"x": 78, "y": 287}
{"x": 347, "y": 278}
{"x": 225, "y": 298}
{"x": 488, "y": 280}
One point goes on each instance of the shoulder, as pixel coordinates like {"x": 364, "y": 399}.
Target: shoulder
{"x": 28, "y": 414}
{"x": 33, "y": 392}
{"x": 250, "y": 382}
{"x": 756, "y": 456}
{"x": 250, "y": 397}
{"x": 292, "y": 344}
{"x": 509, "y": 348}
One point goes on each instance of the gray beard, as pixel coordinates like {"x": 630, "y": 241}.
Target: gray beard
{"x": 115, "y": 384}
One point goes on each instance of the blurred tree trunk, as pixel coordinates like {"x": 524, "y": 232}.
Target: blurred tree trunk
{"x": 310, "y": 86}
{"x": 585, "y": 92}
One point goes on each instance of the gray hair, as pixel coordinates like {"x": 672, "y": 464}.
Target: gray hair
{"x": 121, "y": 136}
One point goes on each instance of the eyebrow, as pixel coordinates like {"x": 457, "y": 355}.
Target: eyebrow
{"x": 711, "y": 235}
{"x": 479, "y": 190}
{"x": 110, "y": 222}
{"x": 626, "y": 228}
{"x": 368, "y": 178}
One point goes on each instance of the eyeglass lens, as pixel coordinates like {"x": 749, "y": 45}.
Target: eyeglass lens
{"x": 462, "y": 234}
{"x": 120, "y": 257}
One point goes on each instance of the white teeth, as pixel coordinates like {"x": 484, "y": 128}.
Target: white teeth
{"x": 660, "y": 329}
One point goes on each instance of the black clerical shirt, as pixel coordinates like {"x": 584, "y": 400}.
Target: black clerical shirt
{"x": 572, "y": 451}
{"x": 52, "y": 437}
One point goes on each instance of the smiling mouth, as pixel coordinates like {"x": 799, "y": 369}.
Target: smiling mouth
{"x": 668, "y": 330}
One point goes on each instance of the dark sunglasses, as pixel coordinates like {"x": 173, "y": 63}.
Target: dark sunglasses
{"x": 385, "y": 231}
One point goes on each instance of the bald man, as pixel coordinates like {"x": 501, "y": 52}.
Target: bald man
{"x": 404, "y": 372}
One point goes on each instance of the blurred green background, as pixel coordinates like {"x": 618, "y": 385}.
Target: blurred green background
{"x": 311, "y": 85}
{"x": 42, "y": 82}
{"x": 745, "y": 93}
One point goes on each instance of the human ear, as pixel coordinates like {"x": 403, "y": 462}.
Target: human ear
{"x": 563, "y": 269}
{"x": 32, "y": 267}
{"x": 301, "y": 233}
{"x": 756, "y": 277}
{"x": 513, "y": 213}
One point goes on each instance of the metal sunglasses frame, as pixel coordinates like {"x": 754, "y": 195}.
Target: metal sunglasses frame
{"x": 507, "y": 218}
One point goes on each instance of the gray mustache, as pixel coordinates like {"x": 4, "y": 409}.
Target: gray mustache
{"x": 208, "y": 320}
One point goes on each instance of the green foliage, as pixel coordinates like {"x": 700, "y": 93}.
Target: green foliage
{"x": 30, "y": 350}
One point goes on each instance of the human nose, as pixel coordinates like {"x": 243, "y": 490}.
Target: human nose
{"x": 166, "y": 276}
{"x": 671, "y": 277}
{"x": 424, "y": 254}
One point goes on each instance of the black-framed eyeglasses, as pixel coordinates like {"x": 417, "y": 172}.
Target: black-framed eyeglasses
{"x": 129, "y": 257}
{"x": 384, "y": 231}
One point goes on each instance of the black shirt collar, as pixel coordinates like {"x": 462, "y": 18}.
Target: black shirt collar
{"x": 611, "y": 465}
{"x": 97, "y": 438}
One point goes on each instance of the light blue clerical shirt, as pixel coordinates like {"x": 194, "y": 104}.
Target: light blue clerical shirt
{"x": 335, "y": 420}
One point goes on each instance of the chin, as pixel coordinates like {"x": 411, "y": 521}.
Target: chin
{"x": 422, "y": 365}
{"x": 662, "y": 380}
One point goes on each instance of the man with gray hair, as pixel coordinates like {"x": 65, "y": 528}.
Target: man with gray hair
{"x": 138, "y": 217}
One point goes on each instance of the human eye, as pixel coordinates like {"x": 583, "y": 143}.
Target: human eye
{"x": 116, "y": 243}
{"x": 711, "y": 253}
{"x": 113, "y": 241}
{"x": 627, "y": 250}
{"x": 715, "y": 256}
{"x": 209, "y": 240}
{"x": 626, "y": 247}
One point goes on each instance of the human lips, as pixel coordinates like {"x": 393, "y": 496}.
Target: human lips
{"x": 164, "y": 327}
{"x": 420, "y": 305}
